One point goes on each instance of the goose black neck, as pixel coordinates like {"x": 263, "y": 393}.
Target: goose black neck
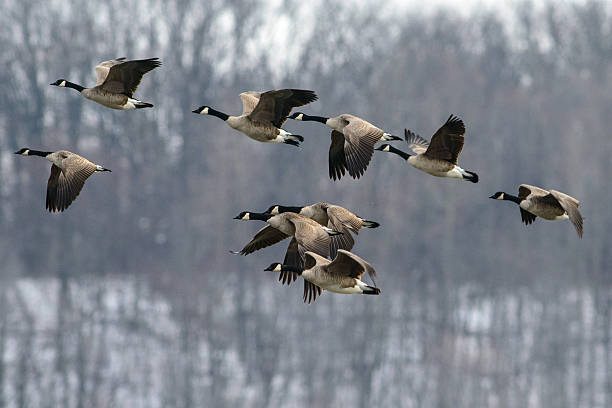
{"x": 399, "y": 152}
{"x": 38, "y": 153}
{"x": 74, "y": 86}
{"x": 218, "y": 114}
{"x": 291, "y": 268}
{"x": 510, "y": 197}
{"x": 314, "y": 118}
{"x": 282, "y": 209}
{"x": 260, "y": 216}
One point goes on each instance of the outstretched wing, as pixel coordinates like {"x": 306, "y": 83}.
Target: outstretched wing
{"x": 447, "y": 143}
{"x": 415, "y": 142}
{"x": 360, "y": 138}
{"x": 310, "y": 236}
{"x": 350, "y": 265}
{"x": 64, "y": 187}
{"x": 337, "y": 159}
{"x": 125, "y": 77}
{"x": 249, "y": 101}
{"x": 105, "y": 66}
{"x": 275, "y": 106}
{"x": 570, "y": 205}
{"x": 292, "y": 257}
{"x": 265, "y": 237}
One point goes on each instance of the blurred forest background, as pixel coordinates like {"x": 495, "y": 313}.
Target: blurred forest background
{"x": 130, "y": 297}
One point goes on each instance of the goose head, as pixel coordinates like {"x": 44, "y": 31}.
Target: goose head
{"x": 59, "y": 82}
{"x": 500, "y": 195}
{"x": 274, "y": 267}
{"x": 202, "y": 110}
{"x": 24, "y": 151}
{"x": 384, "y": 147}
{"x": 245, "y": 215}
{"x": 296, "y": 116}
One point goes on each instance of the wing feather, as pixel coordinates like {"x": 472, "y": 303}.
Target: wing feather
{"x": 274, "y": 106}
{"x": 125, "y": 77}
{"x": 264, "y": 238}
{"x": 570, "y": 205}
{"x": 447, "y": 143}
{"x": 415, "y": 142}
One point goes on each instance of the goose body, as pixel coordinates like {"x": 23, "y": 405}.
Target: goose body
{"x": 334, "y": 217}
{"x": 342, "y": 275}
{"x": 263, "y": 114}
{"x": 548, "y": 204}
{"x": 117, "y": 82}
{"x": 352, "y": 142}
{"x": 438, "y": 157}
{"x": 69, "y": 171}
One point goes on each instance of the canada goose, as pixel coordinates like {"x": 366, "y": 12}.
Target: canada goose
{"x": 117, "y": 82}
{"x": 307, "y": 235}
{"x": 352, "y": 142}
{"x": 342, "y": 275}
{"x": 334, "y": 217}
{"x": 548, "y": 204}
{"x": 438, "y": 157}
{"x": 263, "y": 114}
{"x": 68, "y": 174}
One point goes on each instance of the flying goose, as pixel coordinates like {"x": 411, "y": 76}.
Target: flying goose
{"x": 307, "y": 235}
{"x": 263, "y": 114}
{"x": 68, "y": 174}
{"x": 438, "y": 157}
{"x": 117, "y": 82}
{"x": 342, "y": 275}
{"x": 332, "y": 216}
{"x": 548, "y": 204}
{"x": 352, "y": 143}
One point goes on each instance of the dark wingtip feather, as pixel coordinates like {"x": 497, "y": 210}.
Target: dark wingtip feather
{"x": 455, "y": 124}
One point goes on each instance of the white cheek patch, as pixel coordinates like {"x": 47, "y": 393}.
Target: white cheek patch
{"x": 63, "y": 83}
{"x": 204, "y": 111}
{"x": 246, "y": 216}
{"x": 300, "y": 117}
{"x": 386, "y": 149}
{"x": 501, "y": 197}
{"x": 274, "y": 211}
{"x": 277, "y": 268}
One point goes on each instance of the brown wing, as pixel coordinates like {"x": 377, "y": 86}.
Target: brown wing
{"x": 124, "y": 78}
{"x": 310, "y": 236}
{"x": 264, "y": 238}
{"x": 337, "y": 159}
{"x": 360, "y": 137}
{"x": 527, "y": 217}
{"x": 275, "y": 106}
{"x": 249, "y": 101}
{"x": 415, "y": 142}
{"x": 525, "y": 190}
{"x": 311, "y": 291}
{"x": 447, "y": 143}
{"x": 350, "y": 265}
{"x": 64, "y": 187}
{"x": 292, "y": 257}
{"x": 570, "y": 205}
{"x": 342, "y": 220}
{"x": 105, "y": 66}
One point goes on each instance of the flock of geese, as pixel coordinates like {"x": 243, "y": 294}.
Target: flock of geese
{"x": 318, "y": 231}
